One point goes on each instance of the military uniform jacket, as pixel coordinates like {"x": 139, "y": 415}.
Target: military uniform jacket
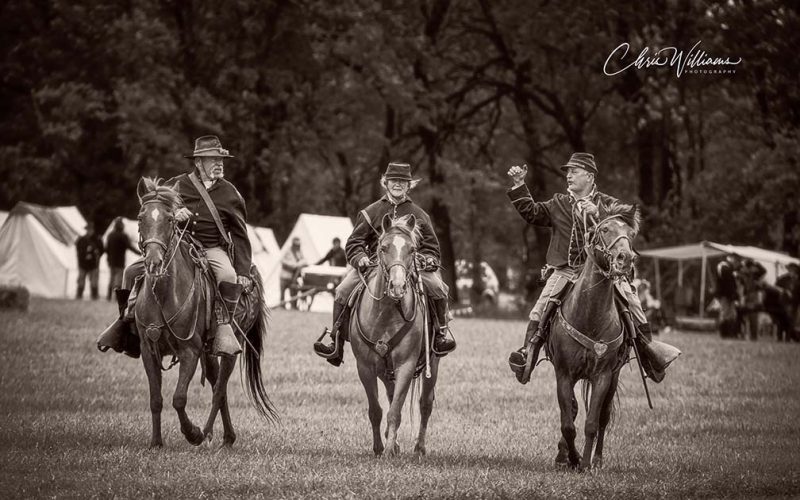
{"x": 364, "y": 239}
{"x": 557, "y": 214}
{"x": 232, "y": 213}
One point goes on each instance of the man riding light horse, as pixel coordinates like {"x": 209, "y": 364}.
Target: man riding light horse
{"x": 361, "y": 250}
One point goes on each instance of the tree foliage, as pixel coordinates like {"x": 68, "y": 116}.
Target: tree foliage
{"x": 314, "y": 98}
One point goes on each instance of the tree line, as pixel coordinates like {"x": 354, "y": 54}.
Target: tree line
{"x": 315, "y": 98}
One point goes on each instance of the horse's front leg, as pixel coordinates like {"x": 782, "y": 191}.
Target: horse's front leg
{"x": 565, "y": 388}
{"x": 369, "y": 379}
{"x": 153, "y": 371}
{"x": 188, "y": 364}
{"x": 403, "y": 376}
{"x": 600, "y": 386}
{"x": 220, "y": 399}
{"x": 605, "y": 418}
{"x": 426, "y": 399}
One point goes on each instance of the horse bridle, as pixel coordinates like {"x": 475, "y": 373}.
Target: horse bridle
{"x": 165, "y": 247}
{"x": 597, "y": 243}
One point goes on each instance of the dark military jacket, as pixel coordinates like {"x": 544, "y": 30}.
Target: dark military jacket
{"x": 232, "y": 213}
{"x": 117, "y": 244}
{"x": 364, "y": 239}
{"x": 556, "y": 213}
{"x": 89, "y": 249}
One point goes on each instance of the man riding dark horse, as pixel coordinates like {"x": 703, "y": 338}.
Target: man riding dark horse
{"x": 361, "y": 249}
{"x": 567, "y": 214}
{"x": 215, "y": 216}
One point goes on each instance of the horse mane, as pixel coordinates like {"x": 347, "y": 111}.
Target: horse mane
{"x": 401, "y": 224}
{"x": 155, "y": 189}
{"x": 629, "y": 214}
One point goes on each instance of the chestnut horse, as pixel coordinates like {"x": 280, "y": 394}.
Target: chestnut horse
{"x": 586, "y": 341}
{"x": 386, "y": 333}
{"x": 173, "y": 317}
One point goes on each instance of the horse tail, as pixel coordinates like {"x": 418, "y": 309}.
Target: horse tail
{"x": 253, "y": 351}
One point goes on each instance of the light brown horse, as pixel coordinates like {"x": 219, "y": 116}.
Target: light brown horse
{"x": 386, "y": 333}
{"x": 173, "y": 317}
{"x": 586, "y": 340}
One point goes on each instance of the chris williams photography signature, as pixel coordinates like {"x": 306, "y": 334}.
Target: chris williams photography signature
{"x": 693, "y": 61}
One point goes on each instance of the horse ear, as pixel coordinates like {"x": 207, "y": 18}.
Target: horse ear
{"x": 635, "y": 216}
{"x": 141, "y": 189}
{"x": 411, "y": 222}
{"x": 386, "y": 223}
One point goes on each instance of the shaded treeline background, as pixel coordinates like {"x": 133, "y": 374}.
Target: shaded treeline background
{"x": 315, "y": 97}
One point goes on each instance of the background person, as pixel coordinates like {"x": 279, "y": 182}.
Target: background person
{"x": 89, "y": 248}
{"x": 335, "y": 256}
{"x": 291, "y": 264}
{"x": 117, "y": 243}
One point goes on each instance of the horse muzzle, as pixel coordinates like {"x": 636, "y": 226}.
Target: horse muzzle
{"x": 397, "y": 292}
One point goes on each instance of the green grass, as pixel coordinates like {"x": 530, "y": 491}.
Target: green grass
{"x": 75, "y": 422}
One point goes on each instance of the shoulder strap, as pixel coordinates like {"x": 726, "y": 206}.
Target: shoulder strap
{"x": 369, "y": 221}
{"x": 211, "y": 207}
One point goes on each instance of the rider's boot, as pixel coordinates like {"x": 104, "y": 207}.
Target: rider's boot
{"x": 442, "y": 345}
{"x": 517, "y": 358}
{"x": 656, "y": 355}
{"x": 225, "y": 343}
{"x": 334, "y": 352}
{"x": 539, "y": 337}
{"x": 118, "y": 336}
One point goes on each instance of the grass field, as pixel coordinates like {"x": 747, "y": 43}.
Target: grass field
{"x": 76, "y": 423}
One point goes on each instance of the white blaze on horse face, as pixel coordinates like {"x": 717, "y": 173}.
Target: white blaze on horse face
{"x": 397, "y": 275}
{"x": 155, "y": 214}
{"x": 399, "y": 242}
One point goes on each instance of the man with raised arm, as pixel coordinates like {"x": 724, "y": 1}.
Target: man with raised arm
{"x": 567, "y": 214}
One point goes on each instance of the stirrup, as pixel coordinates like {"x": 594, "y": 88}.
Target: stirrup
{"x": 319, "y": 343}
{"x": 530, "y": 362}
{"x": 442, "y": 331}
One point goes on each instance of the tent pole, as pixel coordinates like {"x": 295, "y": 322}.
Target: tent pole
{"x": 658, "y": 281}
{"x": 703, "y": 282}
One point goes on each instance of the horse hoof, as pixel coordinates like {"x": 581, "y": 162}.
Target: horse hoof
{"x": 195, "y": 436}
{"x": 420, "y": 450}
{"x": 156, "y": 445}
{"x": 393, "y": 450}
{"x": 598, "y": 463}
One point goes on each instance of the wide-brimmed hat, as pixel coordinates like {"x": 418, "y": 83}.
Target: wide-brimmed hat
{"x": 398, "y": 171}
{"x": 209, "y": 145}
{"x": 581, "y": 160}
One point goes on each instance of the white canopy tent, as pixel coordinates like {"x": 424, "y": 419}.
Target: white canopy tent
{"x": 774, "y": 262}
{"x": 316, "y": 233}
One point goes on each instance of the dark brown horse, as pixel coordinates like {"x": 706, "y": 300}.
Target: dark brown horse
{"x": 173, "y": 317}
{"x": 587, "y": 341}
{"x": 387, "y": 334}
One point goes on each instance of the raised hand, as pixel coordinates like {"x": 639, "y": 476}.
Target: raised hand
{"x": 518, "y": 174}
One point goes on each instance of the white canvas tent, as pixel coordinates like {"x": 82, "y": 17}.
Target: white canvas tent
{"x": 774, "y": 262}
{"x": 316, "y": 233}
{"x": 263, "y": 245}
{"x": 37, "y": 249}
{"x": 265, "y": 249}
